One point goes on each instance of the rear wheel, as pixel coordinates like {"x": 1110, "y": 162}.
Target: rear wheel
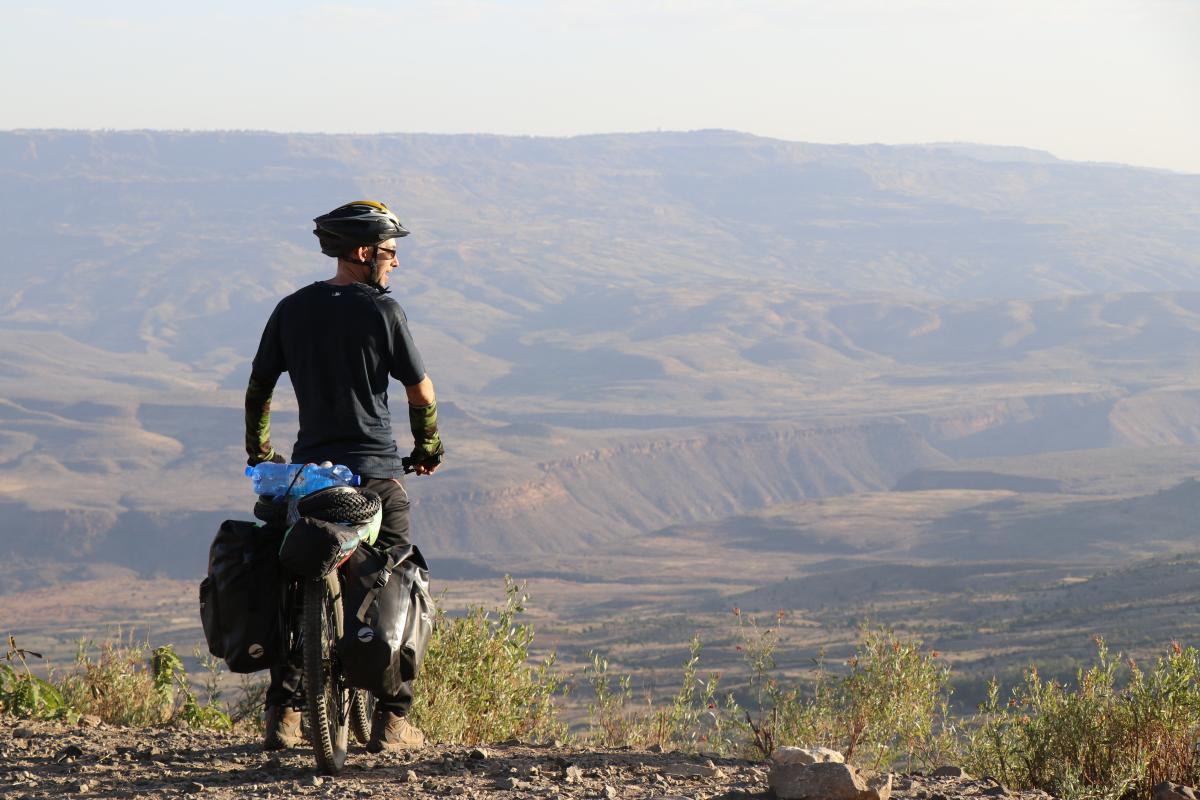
{"x": 361, "y": 711}
{"x": 340, "y": 504}
{"x": 335, "y": 504}
{"x": 329, "y": 698}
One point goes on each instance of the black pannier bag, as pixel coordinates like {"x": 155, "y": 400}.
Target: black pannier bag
{"x": 312, "y": 548}
{"x": 241, "y": 600}
{"x": 388, "y": 618}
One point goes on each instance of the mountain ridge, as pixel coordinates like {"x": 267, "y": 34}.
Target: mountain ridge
{"x": 601, "y": 294}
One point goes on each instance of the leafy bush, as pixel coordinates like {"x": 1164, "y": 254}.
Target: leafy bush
{"x": 890, "y": 707}
{"x": 609, "y": 717}
{"x": 120, "y": 684}
{"x": 124, "y": 683}
{"x": 24, "y": 694}
{"x": 249, "y": 710}
{"x": 127, "y": 683}
{"x": 1100, "y": 739}
{"x": 690, "y": 720}
{"x": 476, "y": 682}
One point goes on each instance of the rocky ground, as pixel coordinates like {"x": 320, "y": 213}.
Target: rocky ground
{"x": 56, "y": 760}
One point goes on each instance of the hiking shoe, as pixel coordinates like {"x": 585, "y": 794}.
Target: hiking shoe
{"x": 393, "y": 733}
{"x": 283, "y": 728}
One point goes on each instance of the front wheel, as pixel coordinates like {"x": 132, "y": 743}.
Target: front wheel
{"x": 329, "y": 698}
{"x": 361, "y": 710}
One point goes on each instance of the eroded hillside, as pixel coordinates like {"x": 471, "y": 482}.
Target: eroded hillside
{"x": 705, "y": 341}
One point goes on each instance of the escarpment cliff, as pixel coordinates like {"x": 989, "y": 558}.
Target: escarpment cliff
{"x": 639, "y": 482}
{"x": 1024, "y": 425}
{"x": 634, "y": 486}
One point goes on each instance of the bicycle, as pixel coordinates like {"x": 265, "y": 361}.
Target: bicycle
{"x": 314, "y": 623}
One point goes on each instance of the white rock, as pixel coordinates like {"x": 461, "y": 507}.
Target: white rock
{"x": 806, "y": 755}
{"x": 827, "y": 780}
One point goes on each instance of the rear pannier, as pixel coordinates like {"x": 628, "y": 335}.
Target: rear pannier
{"x": 241, "y": 600}
{"x": 389, "y": 618}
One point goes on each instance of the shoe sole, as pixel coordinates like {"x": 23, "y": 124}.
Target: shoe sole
{"x": 379, "y": 747}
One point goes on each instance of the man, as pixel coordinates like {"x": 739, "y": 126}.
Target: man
{"x": 340, "y": 340}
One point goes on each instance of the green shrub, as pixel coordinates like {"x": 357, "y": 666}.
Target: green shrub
{"x": 1099, "y": 739}
{"x": 168, "y": 668}
{"x": 23, "y": 694}
{"x": 476, "y": 683}
{"x": 249, "y": 710}
{"x": 891, "y": 707}
{"x": 610, "y": 722}
{"x": 691, "y": 720}
{"x": 127, "y": 683}
{"x": 119, "y": 683}
{"x": 124, "y": 683}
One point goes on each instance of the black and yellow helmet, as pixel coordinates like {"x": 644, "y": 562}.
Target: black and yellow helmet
{"x": 363, "y": 222}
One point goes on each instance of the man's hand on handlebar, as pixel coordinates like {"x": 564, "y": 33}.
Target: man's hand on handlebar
{"x": 422, "y": 462}
{"x": 274, "y": 458}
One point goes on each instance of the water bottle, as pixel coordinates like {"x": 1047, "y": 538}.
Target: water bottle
{"x": 297, "y": 480}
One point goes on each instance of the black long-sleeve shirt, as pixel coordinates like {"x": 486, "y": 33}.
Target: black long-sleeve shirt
{"x": 340, "y": 345}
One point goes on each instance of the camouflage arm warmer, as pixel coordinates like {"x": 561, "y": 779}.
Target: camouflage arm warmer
{"x": 258, "y": 420}
{"x": 423, "y": 421}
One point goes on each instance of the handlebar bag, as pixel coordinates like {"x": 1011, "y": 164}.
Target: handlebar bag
{"x": 241, "y": 599}
{"x": 389, "y": 618}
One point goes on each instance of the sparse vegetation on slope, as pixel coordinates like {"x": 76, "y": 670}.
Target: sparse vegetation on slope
{"x": 122, "y": 682}
{"x": 1112, "y": 735}
{"x": 1106, "y": 737}
{"x": 477, "y": 683}
{"x": 889, "y": 706}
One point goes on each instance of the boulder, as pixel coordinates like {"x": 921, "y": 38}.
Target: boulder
{"x": 827, "y": 780}
{"x": 1173, "y": 791}
{"x": 805, "y": 755}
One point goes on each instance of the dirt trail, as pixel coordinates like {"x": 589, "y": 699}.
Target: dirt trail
{"x": 56, "y": 760}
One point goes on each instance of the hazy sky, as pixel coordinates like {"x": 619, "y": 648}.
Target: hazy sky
{"x": 1109, "y": 80}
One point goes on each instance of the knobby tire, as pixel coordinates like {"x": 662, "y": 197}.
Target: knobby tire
{"x": 328, "y": 698}
{"x": 337, "y": 505}
{"x": 361, "y": 710}
{"x": 340, "y": 504}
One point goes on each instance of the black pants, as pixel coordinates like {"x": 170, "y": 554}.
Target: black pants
{"x": 393, "y": 533}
